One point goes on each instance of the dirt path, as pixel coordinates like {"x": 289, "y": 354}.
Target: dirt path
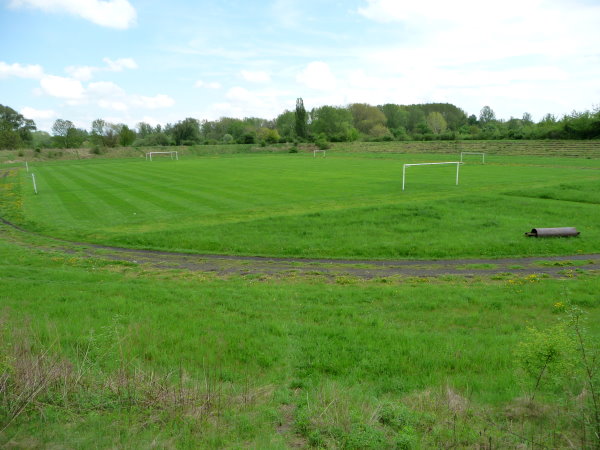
{"x": 557, "y": 266}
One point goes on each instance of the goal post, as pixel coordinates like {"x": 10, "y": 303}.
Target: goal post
{"x": 458, "y": 163}
{"x": 319, "y": 151}
{"x": 173, "y": 154}
{"x": 473, "y": 153}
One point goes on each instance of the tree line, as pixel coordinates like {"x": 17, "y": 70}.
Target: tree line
{"x": 357, "y": 121}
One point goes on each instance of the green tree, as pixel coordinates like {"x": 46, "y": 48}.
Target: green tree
{"x": 267, "y": 135}
{"x": 41, "y": 139}
{"x": 436, "y": 122}
{"x": 105, "y": 133}
{"x": 60, "y": 130}
{"x": 366, "y": 117}
{"x": 186, "y": 132}
{"x": 527, "y": 119}
{"x": 486, "y": 115}
{"x": 126, "y": 136}
{"x": 97, "y": 133}
{"x": 301, "y": 120}
{"x": 396, "y": 116}
{"x": 286, "y": 124}
{"x": 334, "y": 123}
{"x": 15, "y": 129}
{"x": 416, "y": 116}
{"x": 144, "y": 129}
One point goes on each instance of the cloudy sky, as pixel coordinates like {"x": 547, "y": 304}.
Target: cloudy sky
{"x": 148, "y": 60}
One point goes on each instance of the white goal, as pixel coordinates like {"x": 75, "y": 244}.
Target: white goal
{"x": 172, "y": 154}
{"x": 458, "y": 163}
{"x": 473, "y": 153}
{"x": 319, "y": 151}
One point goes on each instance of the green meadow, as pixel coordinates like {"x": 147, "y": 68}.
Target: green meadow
{"x": 127, "y": 356}
{"x": 108, "y": 354}
{"x": 347, "y": 205}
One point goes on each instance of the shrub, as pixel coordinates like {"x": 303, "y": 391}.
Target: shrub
{"x": 322, "y": 142}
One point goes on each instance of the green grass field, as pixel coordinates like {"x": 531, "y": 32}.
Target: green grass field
{"x": 109, "y": 354}
{"x": 345, "y": 206}
{"x": 126, "y": 356}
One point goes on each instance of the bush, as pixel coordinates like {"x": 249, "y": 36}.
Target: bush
{"x": 322, "y": 142}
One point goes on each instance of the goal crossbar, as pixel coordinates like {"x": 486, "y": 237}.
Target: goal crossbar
{"x": 473, "y": 153}
{"x": 171, "y": 154}
{"x": 458, "y": 163}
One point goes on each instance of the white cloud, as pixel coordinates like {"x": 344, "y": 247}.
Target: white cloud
{"x": 317, "y": 75}
{"x": 457, "y": 11}
{"x": 150, "y": 120}
{"x": 258, "y": 76}
{"x": 85, "y": 73}
{"x": 242, "y": 102}
{"x": 156, "y": 102}
{"x": 62, "y": 87}
{"x": 105, "y": 89}
{"x": 81, "y": 73}
{"x": 118, "y": 14}
{"x": 36, "y": 114}
{"x": 465, "y": 31}
{"x": 119, "y": 64}
{"x": 209, "y": 85}
{"x": 20, "y": 71}
{"x": 512, "y": 55}
{"x": 116, "y": 106}
{"x": 239, "y": 94}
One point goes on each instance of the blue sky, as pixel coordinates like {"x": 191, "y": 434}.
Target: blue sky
{"x": 128, "y": 61}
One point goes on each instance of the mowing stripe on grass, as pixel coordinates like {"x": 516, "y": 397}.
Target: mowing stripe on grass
{"x": 100, "y": 192}
{"x": 165, "y": 187}
{"x": 71, "y": 203}
{"x": 140, "y": 193}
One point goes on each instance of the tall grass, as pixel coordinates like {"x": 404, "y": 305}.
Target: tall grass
{"x": 358, "y": 364}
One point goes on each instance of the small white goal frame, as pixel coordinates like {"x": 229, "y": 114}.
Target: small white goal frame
{"x": 473, "y": 153}
{"x": 316, "y": 151}
{"x": 458, "y": 163}
{"x": 171, "y": 154}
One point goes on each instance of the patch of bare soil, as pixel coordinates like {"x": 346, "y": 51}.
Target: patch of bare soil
{"x": 556, "y": 266}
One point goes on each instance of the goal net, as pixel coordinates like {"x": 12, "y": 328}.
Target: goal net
{"x": 172, "y": 154}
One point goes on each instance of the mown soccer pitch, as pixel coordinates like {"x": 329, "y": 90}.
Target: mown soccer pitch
{"x": 343, "y": 206}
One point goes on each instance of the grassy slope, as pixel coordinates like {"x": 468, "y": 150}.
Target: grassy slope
{"x": 346, "y": 205}
{"x": 284, "y": 344}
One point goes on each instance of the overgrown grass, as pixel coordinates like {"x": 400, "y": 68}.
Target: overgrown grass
{"x": 364, "y": 364}
{"x": 345, "y": 205}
